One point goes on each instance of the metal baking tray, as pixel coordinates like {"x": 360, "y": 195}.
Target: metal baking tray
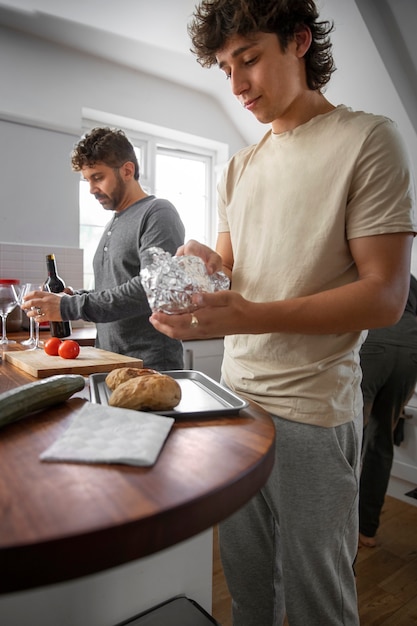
{"x": 200, "y": 395}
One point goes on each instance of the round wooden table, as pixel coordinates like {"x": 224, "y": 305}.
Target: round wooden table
{"x": 60, "y": 521}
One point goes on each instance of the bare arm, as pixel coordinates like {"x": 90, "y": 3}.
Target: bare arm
{"x": 225, "y": 250}
{"x": 376, "y": 299}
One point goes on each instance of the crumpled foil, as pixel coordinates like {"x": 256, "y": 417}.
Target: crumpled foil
{"x": 170, "y": 281}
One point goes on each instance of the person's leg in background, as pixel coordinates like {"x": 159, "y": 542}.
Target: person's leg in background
{"x": 396, "y": 373}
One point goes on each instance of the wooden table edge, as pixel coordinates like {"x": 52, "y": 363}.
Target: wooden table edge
{"x": 30, "y": 566}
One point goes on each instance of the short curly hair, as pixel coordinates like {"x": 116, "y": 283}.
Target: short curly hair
{"x": 104, "y": 145}
{"x": 215, "y": 21}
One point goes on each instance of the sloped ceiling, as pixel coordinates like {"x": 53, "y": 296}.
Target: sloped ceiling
{"x": 392, "y": 25}
{"x": 151, "y": 36}
{"x": 146, "y": 35}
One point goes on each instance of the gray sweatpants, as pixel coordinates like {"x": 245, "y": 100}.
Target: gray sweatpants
{"x": 291, "y": 549}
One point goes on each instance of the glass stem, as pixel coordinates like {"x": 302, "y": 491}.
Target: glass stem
{"x": 36, "y": 335}
{"x": 31, "y": 331}
{"x": 3, "y": 328}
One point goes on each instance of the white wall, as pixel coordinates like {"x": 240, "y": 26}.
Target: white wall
{"x": 361, "y": 80}
{"x": 39, "y": 192}
{"x": 48, "y": 85}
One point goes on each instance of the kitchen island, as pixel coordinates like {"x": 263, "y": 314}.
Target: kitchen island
{"x": 133, "y": 536}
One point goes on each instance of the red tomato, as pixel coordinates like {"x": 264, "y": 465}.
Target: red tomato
{"x": 52, "y": 345}
{"x": 69, "y": 349}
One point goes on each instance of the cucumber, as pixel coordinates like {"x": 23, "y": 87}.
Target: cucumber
{"x": 41, "y": 394}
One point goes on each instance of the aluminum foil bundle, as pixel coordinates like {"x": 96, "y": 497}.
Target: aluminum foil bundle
{"x": 170, "y": 281}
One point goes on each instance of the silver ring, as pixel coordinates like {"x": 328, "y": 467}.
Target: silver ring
{"x": 194, "y": 321}
{"x": 39, "y": 311}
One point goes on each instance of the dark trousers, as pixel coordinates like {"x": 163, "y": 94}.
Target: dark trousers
{"x": 389, "y": 379}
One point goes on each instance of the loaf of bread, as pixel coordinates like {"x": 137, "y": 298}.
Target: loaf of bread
{"x": 155, "y": 392}
{"x": 121, "y": 374}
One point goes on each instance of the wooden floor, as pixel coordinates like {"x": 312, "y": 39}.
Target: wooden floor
{"x": 386, "y": 575}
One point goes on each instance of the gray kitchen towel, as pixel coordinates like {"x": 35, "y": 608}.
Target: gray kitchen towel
{"x": 104, "y": 434}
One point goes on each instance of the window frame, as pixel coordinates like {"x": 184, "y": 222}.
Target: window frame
{"x": 153, "y": 140}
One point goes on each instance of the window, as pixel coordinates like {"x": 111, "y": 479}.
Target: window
{"x": 180, "y": 172}
{"x": 184, "y": 179}
{"x": 93, "y": 218}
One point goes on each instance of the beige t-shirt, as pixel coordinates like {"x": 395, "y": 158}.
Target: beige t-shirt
{"x": 291, "y": 203}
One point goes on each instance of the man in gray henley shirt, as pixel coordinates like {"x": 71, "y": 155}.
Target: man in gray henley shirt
{"x": 118, "y": 304}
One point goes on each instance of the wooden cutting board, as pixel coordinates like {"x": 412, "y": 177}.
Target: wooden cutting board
{"x": 89, "y": 361}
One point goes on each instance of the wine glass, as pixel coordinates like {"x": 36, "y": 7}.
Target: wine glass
{"x": 35, "y": 287}
{"x": 24, "y": 289}
{"x": 8, "y": 301}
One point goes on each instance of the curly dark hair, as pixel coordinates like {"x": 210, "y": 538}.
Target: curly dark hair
{"x": 215, "y": 21}
{"x": 104, "y": 145}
